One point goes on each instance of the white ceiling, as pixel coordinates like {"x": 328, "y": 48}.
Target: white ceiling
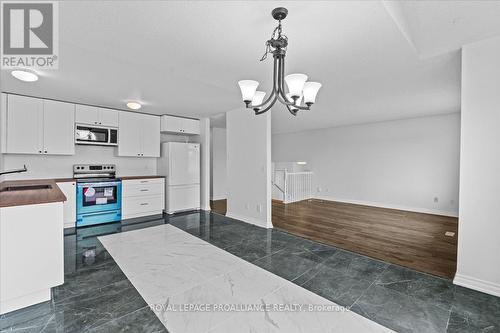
{"x": 185, "y": 57}
{"x": 436, "y": 27}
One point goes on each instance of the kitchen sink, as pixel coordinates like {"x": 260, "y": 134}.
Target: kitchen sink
{"x": 26, "y": 187}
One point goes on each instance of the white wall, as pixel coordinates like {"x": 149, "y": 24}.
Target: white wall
{"x": 479, "y": 221}
{"x": 249, "y": 167}
{"x": 3, "y": 105}
{"x": 204, "y": 138}
{"x": 218, "y": 161}
{"x": 51, "y": 166}
{"x": 402, "y": 164}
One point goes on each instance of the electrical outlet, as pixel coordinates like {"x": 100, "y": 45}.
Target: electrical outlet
{"x": 318, "y": 189}
{"x": 259, "y": 208}
{"x": 436, "y": 199}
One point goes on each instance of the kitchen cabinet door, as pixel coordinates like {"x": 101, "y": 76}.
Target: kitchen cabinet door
{"x": 150, "y": 136}
{"x": 24, "y": 125}
{"x": 130, "y": 134}
{"x": 180, "y": 125}
{"x": 191, "y": 126}
{"x": 31, "y": 255}
{"x": 86, "y": 114}
{"x": 58, "y": 128}
{"x": 69, "y": 206}
{"x": 171, "y": 124}
{"x": 108, "y": 117}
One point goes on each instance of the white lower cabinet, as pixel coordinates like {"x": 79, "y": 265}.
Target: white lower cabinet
{"x": 142, "y": 197}
{"x": 31, "y": 254}
{"x": 69, "y": 206}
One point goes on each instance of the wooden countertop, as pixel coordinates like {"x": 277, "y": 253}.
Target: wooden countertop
{"x": 30, "y": 197}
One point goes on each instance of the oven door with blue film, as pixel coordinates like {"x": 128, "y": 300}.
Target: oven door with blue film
{"x": 98, "y": 202}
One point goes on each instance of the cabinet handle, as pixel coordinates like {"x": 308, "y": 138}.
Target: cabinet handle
{"x": 40, "y": 151}
{"x": 145, "y": 190}
{"x": 144, "y": 204}
{"x": 144, "y": 181}
{"x": 45, "y": 152}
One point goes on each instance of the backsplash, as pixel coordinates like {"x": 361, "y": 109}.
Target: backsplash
{"x": 53, "y": 166}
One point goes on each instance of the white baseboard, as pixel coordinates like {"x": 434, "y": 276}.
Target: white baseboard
{"x": 477, "y": 284}
{"x": 218, "y": 198}
{"x": 398, "y": 207}
{"x": 251, "y": 220}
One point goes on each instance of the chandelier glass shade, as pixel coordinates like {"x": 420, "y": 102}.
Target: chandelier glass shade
{"x": 301, "y": 94}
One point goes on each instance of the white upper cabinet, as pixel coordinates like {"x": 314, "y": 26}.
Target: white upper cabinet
{"x": 171, "y": 124}
{"x": 108, "y": 117}
{"x": 87, "y": 115}
{"x": 139, "y": 135}
{"x": 180, "y": 125}
{"x": 58, "y": 135}
{"x": 37, "y": 126}
{"x": 191, "y": 126}
{"x": 129, "y": 135}
{"x": 24, "y": 125}
{"x": 93, "y": 115}
{"x": 151, "y": 136}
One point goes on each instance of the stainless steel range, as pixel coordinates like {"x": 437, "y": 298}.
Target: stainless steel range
{"x": 98, "y": 194}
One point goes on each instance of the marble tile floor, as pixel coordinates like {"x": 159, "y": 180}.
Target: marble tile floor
{"x": 98, "y": 297}
{"x": 172, "y": 269}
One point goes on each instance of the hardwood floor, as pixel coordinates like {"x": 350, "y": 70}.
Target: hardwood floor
{"x": 404, "y": 238}
{"x": 409, "y": 239}
{"x": 218, "y": 206}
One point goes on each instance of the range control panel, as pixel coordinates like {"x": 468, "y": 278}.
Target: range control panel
{"x": 94, "y": 168}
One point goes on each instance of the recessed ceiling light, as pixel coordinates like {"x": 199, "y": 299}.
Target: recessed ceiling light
{"x": 24, "y": 75}
{"x": 134, "y": 105}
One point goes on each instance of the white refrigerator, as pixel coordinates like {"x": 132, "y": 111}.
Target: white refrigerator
{"x": 180, "y": 164}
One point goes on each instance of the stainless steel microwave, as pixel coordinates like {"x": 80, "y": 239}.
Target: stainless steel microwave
{"x": 92, "y": 135}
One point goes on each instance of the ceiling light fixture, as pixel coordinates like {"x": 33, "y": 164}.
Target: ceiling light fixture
{"x": 298, "y": 88}
{"x": 24, "y": 75}
{"x": 134, "y": 105}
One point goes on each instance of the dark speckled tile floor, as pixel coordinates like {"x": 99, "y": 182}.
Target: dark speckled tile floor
{"x": 97, "y": 297}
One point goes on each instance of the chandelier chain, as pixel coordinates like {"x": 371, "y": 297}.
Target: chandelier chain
{"x": 276, "y": 35}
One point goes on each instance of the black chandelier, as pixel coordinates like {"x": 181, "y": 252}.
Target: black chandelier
{"x": 301, "y": 94}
